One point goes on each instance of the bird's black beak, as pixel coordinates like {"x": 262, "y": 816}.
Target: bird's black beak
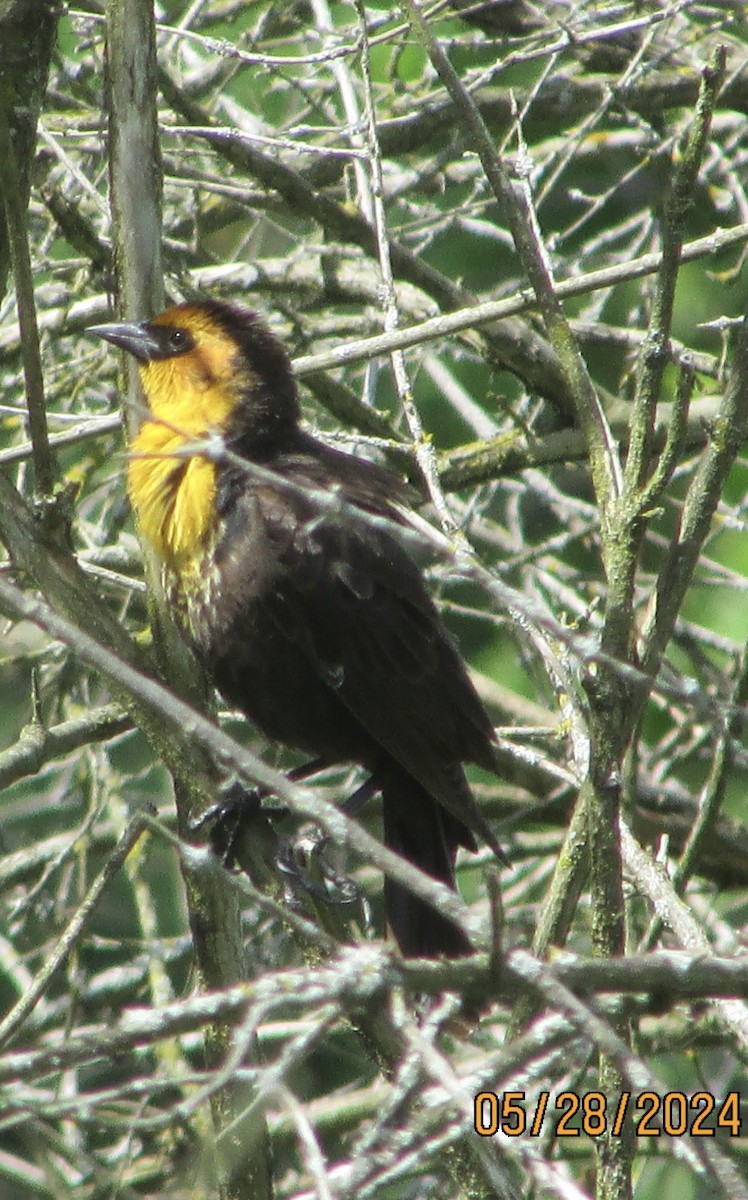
{"x": 138, "y": 339}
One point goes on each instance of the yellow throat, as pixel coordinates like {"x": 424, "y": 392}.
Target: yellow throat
{"x": 173, "y": 491}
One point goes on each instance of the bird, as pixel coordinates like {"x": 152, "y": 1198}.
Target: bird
{"x": 286, "y": 564}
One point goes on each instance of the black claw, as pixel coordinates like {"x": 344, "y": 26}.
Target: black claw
{"x": 238, "y": 805}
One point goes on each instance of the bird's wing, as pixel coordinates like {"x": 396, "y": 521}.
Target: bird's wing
{"x": 355, "y": 605}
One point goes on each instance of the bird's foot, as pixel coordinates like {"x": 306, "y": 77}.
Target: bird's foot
{"x": 236, "y": 807}
{"x": 302, "y": 859}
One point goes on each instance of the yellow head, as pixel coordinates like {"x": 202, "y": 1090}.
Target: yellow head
{"x": 206, "y": 368}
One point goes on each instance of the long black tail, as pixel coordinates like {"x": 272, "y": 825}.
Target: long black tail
{"x": 419, "y": 829}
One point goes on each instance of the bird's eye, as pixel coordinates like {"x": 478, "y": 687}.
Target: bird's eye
{"x": 179, "y": 339}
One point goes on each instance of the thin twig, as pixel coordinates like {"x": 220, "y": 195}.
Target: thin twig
{"x": 67, "y": 942}
{"x": 44, "y": 468}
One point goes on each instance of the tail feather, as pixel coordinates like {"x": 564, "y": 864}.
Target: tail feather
{"x": 422, "y": 831}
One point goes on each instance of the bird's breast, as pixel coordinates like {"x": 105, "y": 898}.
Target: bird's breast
{"x": 220, "y": 590}
{"x": 173, "y": 494}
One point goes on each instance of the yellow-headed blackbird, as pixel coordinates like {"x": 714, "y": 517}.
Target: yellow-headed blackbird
{"x": 296, "y": 593}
